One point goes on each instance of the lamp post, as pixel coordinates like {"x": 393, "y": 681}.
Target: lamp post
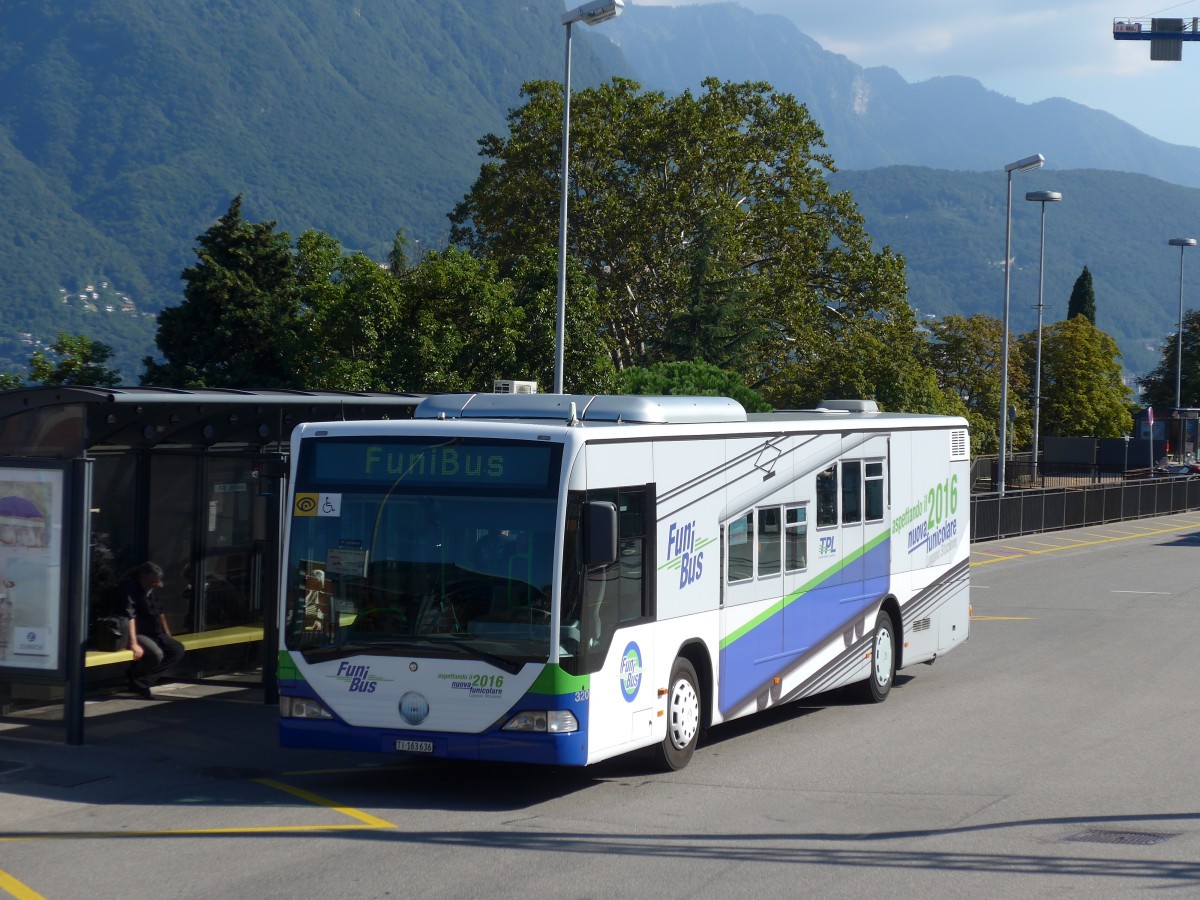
{"x": 1042, "y": 197}
{"x": 1182, "y": 244}
{"x": 1027, "y": 164}
{"x": 592, "y": 13}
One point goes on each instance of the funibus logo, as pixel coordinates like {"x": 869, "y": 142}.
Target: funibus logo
{"x": 631, "y": 671}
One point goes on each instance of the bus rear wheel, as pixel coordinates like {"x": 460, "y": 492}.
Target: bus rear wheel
{"x": 683, "y": 717}
{"x": 883, "y": 660}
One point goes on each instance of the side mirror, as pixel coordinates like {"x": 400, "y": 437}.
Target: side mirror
{"x": 599, "y": 533}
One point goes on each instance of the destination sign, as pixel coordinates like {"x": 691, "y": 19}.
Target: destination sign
{"x": 487, "y": 465}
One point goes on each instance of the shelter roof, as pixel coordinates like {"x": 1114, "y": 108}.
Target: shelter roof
{"x": 65, "y": 422}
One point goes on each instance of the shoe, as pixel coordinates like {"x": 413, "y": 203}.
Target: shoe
{"x": 141, "y": 690}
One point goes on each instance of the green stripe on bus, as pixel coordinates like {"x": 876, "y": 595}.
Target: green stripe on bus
{"x": 554, "y": 680}
{"x": 778, "y": 606}
{"x": 287, "y": 668}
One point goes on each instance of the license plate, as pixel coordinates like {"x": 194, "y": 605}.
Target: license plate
{"x": 414, "y": 746}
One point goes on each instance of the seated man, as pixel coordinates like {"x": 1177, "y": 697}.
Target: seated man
{"x": 154, "y": 650}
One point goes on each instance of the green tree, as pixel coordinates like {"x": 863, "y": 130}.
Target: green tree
{"x": 966, "y": 354}
{"x": 1083, "y": 298}
{"x": 1158, "y": 388}
{"x": 80, "y": 360}
{"x": 710, "y": 324}
{"x": 587, "y": 363}
{"x": 351, "y": 310}
{"x": 682, "y": 206}
{"x": 1083, "y": 394}
{"x": 238, "y": 325}
{"x": 462, "y": 327}
{"x": 695, "y": 378}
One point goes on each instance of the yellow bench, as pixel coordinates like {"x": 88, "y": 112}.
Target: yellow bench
{"x": 219, "y": 637}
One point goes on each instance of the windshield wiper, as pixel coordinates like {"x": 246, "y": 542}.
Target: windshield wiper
{"x": 499, "y": 662}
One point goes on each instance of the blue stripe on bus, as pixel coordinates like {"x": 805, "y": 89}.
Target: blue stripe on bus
{"x": 806, "y": 621}
{"x": 492, "y": 744}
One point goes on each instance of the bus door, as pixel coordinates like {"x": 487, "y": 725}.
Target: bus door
{"x": 876, "y": 558}
{"x": 754, "y": 579}
{"x": 835, "y": 594}
{"x": 852, "y": 548}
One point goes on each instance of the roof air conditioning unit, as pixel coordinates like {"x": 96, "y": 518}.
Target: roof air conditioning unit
{"x": 508, "y": 386}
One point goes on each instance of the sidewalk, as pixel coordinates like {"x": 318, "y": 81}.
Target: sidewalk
{"x": 133, "y": 747}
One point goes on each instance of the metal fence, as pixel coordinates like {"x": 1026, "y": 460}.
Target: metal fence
{"x": 1056, "y": 508}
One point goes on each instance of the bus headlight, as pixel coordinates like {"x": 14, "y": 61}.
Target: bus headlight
{"x": 302, "y": 708}
{"x": 554, "y": 721}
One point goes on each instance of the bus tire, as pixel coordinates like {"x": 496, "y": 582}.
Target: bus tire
{"x": 883, "y": 660}
{"x": 683, "y": 717}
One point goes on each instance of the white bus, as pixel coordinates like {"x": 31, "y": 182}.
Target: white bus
{"x": 561, "y": 579}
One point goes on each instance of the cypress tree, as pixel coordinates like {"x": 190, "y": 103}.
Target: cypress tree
{"x": 1083, "y": 298}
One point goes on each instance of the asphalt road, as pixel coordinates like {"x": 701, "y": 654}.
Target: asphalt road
{"x": 1053, "y": 754}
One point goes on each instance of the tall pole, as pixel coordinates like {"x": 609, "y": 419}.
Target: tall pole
{"x": 1004, "y": 353}
{"x": 1179, "y": 341}
{"x": 1182, "y": 244}
{"x": 560, "y": 325}
{"x": 1042, "y": 197}
{"x": 1023, "y": 165}
{"x": 1037, "y": 367}
{"x": 591, "y": 13}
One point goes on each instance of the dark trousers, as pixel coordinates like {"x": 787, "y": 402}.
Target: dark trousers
{"x": 158, "y": 655}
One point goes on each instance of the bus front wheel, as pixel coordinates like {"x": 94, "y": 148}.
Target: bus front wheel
{"x": 683, "y": 717}
{"x": 883, "y": 660}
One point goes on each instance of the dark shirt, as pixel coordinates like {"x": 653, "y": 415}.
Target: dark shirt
{"x": 143, "y": 608}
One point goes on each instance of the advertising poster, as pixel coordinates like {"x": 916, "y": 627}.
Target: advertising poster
{"x": 31, "y": 554}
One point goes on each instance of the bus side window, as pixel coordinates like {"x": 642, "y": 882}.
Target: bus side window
{"x": 851, "y": 492}
{"x": 874, "y": 491}
{"x": 796, "y": 540}
{"x": 827, "y": 497}
{"x": 741, "y": 548}
{"x": 769, "y": 538}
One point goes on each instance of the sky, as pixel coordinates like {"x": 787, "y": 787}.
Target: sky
{"x": 1029, "y": 50}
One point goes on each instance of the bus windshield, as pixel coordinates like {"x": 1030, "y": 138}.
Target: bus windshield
{"x": 422, "y": 547}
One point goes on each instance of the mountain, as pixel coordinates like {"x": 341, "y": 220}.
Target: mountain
{"x": 873, "y": 117}
{"x": 126, "y": 128}
{"x": 950, "y": 228}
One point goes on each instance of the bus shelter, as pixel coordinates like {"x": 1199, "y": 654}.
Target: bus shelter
{"x": 94, "y": 481}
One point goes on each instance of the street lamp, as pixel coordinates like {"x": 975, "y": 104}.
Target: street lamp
{"x": 1027, "y": 164}
{"x": 592, "y": 13}
{"x": 1042, "y": 197}
{"x": 1181, "y": 243}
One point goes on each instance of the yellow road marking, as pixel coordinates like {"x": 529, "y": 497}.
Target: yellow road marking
{"x": 997, "y": 555}
{"x": 364, "y": 820}
{"x": 17, "y": 889}
{"x": 1079, "y": 543}
{"x": 174, "y": 832}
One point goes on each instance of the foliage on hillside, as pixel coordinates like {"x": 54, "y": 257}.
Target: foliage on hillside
{"x": 125, "y": 127}
{"x": 949, "y": 226}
